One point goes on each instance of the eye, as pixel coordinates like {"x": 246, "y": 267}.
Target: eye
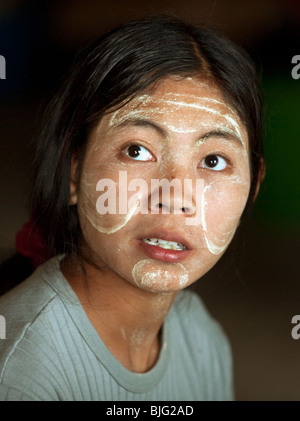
{"x": 214, "y": 162}
{"x": 138, "y": 153}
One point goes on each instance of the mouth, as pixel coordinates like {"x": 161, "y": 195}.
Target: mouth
{"x": 165, "y": 246}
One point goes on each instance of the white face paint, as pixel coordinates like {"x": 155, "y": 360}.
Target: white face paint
{"x": 218, "y": 239}
{"x": 163, "y": 278}
{"x": 178, "y": 128}
{"x": 176, "y": 103}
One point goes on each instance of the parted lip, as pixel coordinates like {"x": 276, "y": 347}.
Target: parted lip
{"x": 167, "y": 236}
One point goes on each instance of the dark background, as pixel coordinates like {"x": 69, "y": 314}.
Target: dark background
{"x": 254, "y": 291}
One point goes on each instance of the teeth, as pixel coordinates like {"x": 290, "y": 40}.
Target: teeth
{"x": 169, "y": 245}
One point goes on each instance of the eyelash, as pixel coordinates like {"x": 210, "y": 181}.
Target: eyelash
{"x": 136, "y": 148}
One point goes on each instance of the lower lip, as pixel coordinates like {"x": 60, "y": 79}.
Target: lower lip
{"x": 165, "y": 255}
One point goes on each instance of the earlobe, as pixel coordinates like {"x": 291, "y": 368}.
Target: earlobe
{"x": 73, "y": 181}
{"x": 261, "y": 176}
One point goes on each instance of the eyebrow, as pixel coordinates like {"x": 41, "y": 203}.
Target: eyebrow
{"x": 143, "y": 122}
{"x": 224, "y": 133}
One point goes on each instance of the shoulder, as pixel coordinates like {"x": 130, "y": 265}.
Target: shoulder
{"x": 11, "y": 394}
{"x": 22, "y": 305}
{"x": 31, "y": 312}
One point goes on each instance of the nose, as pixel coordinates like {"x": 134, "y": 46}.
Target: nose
{"x": 172, "y": 196}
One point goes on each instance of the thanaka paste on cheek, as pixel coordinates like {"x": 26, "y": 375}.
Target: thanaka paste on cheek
{"x": 106, "y": 224}
{"x": 220, "y": 218}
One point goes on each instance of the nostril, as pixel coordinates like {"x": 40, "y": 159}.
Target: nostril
{"x": 183, "y": 209}
{"x": 160, "y": 207}
{"x": 187, "y": 210}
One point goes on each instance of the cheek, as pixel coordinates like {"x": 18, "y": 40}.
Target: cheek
{"x": 102, "y": 204}
{"x": 223, "y": 203}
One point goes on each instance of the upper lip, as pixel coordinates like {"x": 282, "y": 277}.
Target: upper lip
{"x": 168, "y": 236}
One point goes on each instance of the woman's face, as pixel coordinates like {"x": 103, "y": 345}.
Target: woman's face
{"x": 182, "y": 135}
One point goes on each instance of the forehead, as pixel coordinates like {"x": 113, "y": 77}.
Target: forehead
{"x": 176, "y": 93}
{"x": 182, "y": 105}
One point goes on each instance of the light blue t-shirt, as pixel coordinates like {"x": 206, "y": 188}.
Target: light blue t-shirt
{"x": 52, "y": 351}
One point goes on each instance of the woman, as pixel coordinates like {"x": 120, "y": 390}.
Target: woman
{"x": 149, "y": 159}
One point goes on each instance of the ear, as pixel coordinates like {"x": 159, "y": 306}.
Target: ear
{"x": 73, "y": 180}
{"x": 261, "y": 176}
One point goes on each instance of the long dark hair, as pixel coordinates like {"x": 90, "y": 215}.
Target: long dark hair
{"x": 113, "y": 69}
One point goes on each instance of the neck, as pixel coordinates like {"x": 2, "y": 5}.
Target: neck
{"x": 128, "y": 319}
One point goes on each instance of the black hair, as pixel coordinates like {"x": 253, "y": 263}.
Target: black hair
{"x": 117, "y": 66}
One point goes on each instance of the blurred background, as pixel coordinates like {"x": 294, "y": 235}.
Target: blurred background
{"x": 254, "y": 291}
